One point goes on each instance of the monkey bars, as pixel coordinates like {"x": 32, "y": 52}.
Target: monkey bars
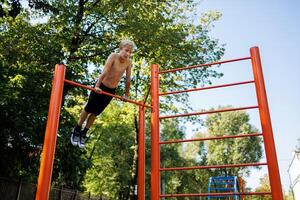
{"x": 267, "y": 133}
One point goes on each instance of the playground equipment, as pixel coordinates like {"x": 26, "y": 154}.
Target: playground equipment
{"x": 266, "y": 127}
{"x": 221, "y": 184}
{"x": 46, "y": 166}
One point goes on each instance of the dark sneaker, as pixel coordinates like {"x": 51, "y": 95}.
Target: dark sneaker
{"x": 82, "y": 140}
{"x": 75, "y": 137}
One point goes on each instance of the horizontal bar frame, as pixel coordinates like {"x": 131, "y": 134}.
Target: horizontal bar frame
{"x": 208, "y": 112}
{"x": 106, "y": 93}
{"x": 212, "y": 166}
{"x": 203, "y": 65}
{"x": 212, "y": 138}
{"x": 206, "y": 88}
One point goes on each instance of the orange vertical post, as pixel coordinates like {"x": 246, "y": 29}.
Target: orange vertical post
{"x": 141, "y": 154}
{"x": 264, "y": 113}
{"x": 46, "y": 166}
{"x": 155, "y": 147}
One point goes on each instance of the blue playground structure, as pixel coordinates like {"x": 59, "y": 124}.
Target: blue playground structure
{"x": 224, "y": 184}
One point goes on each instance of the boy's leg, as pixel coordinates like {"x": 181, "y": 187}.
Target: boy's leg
{"x": 96, "y": 104}
{"x": 89, "y": 123}
{"x": 82, "y": 118}
{"x": 90, "y": 120}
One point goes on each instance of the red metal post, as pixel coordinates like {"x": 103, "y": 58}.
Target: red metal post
{"x": 141, "y": 154}
{"x": 46, "y": 166}
{"x": 264, "y": 113}
{"x": 155, "y": 147}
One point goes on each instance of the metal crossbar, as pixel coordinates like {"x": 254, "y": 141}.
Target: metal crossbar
{"x": 216, "y": 194}
{"x": 207, "y": 112}
{"x": 212, "y": 138}
{"x": 213, "y": 166}
{"x": 206, "y": 88}
{"x": 203, "y": 65}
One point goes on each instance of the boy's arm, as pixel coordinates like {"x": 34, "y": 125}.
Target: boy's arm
{"x": 128, "y": 80}
{"x": 109, "y": 62}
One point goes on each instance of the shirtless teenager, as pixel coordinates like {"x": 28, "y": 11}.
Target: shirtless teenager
{"x": 115, "y": 66}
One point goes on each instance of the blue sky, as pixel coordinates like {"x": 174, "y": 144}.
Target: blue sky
{"x": 273, "y": 26}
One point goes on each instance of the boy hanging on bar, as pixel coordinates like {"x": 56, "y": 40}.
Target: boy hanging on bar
{"x": 115, "y": 66}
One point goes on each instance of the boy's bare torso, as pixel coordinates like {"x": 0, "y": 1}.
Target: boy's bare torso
{"x": 115, "y": 72}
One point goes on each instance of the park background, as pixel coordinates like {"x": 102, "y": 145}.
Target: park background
{"x": 271, "y": 25}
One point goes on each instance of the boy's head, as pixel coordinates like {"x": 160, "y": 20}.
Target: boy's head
{"x": 127, "y": 43}
{"x": 126, "y": 48}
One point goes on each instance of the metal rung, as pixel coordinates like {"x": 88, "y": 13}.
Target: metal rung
{"x": 212, "y": 138}
{"x": 208, "y": 112}
{"x": 212, "y": 166}
{"x": 216, "y": 194}
{"x": 213, "y": 188}
{"x": 203, "y": 65}
{"x": 206, "y": 88}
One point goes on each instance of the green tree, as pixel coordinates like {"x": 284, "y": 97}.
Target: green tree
{"x": 196, "y": 152}
{"x": 25, "y": 88}
{"x": 263, "y": 187}
{"x": 232, "y": 151}
{"x": 173, "y": 155}
{"x": 10, "y": 8}
{"x": 112, "y": 148}
{"x": 82, "y": 34}
{"x": 289, "y": 195}
{"x": 157, "y": 37}
{"x": 222, "y": 152}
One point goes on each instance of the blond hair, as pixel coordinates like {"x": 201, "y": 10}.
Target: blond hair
{"x": 127, "y": 42}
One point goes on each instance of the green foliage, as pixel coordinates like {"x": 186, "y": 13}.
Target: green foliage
{"x": 82, "y": 34}
{"x": 27, "y": 58}
{"x": 289, "y": 195}
{"x": 10, "y": 8}
{"x": 212, "y": 152}
{"x": 222, "y": 152}
{"x": 174, "y": 155}
{"x": 263, "y": 187}
{"x": 232, "y": 151}
{"x": 112, "y": 149}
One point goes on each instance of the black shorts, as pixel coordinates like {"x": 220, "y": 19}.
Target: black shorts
{"x": 98, "y": 102}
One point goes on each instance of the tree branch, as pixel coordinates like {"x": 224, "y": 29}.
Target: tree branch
{"x": 75, "y": 39}
{"x": 72, "y": 58}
